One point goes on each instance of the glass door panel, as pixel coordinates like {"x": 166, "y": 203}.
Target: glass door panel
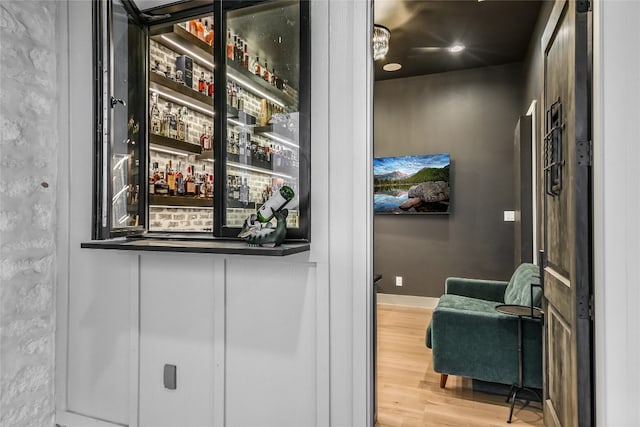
{"x": 263, "y": 138}
{"x": 126, "y": 121}
{"x": 181, "y": 127}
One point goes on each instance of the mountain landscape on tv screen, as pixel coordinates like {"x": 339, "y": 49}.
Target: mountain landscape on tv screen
{"x": 412, "y": 184}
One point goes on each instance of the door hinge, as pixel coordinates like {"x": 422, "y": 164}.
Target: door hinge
{"x": 584, "y": 152}
{"x": 592, "y": 313}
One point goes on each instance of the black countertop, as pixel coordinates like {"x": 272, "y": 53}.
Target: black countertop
{"x": 210, "y": 246}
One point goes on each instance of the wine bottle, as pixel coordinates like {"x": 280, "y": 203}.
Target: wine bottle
{"x": 275, "y": 203}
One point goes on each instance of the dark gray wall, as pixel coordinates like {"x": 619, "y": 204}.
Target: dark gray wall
{"x": 470, "y": 114}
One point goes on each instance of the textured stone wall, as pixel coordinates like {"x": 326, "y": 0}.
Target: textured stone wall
{"x": 28, "y": 170}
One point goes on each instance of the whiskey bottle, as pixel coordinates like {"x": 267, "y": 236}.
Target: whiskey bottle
{"x": 265, "y": 72}
{"x": 155, "y": 123}
{"x": 211, "y": 36}
{"x": 229, "y": 45}
{"x": 276, "y": 202}
{"x": 202, "y": 83}
{"x": 210, "y": 86}
{"x": 203, "y": 137}
{"x": 172, "y": 123}
{"x": 245, "y": 57}
{"x": 179, "y": 181}
{"x": 165, "y": 120}
{"x": 182, "y": 126}
{"x": 209, "y": 140}
{"x": 200, "y": 28}
{"x": 190, "y": 183}
{"x": 256, "y": 67}
{"x": 152, "y": 178}
{"x": 244, "y": 192}
{"x": 171, "y": 179}
{"x": 193, "y": 27}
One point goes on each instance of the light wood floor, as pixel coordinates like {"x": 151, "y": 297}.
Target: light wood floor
{"x": 409, "y": 392}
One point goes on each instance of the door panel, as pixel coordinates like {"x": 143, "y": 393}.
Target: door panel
{"x": 566, "y": 198}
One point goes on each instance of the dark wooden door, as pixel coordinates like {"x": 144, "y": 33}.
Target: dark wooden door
{"x": 566, "y": 194}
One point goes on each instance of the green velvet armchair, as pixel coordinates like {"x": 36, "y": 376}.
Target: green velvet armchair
{"x": 469, "y": 338}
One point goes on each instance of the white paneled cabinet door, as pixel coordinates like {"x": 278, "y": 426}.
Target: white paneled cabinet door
{"x": 177, "y": 330}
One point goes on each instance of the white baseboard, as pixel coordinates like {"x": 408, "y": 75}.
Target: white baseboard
{"x": 408, "y": 300}
{"x": 70, "y": 419}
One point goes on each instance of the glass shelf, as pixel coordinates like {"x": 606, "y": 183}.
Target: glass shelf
{"x": 156, "y": 200}
{"x": 173, "y": 144}
{"x": 177, "y": 38}
{"x": 258, "y": 86}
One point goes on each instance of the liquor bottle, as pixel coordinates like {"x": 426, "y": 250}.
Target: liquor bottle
{"x": 245, "y": 57}
{"x": 203, "y": 137}
{"x": 209, "y": 187}
{"x": 210, "y": 86}
{"x": 265, "y": 112}
{"x": 235, "y": 48}
{"x": 256, "y": 67}
{"x": 193, "y": 27}
{"x": 275, "y": 203}
{"x": 169, "y": 72}
{"x": 209, "y": 140}
{"x": 172, "y": 123}
{"x": 182, "y": 126}
{"x": 156, "y": 123}
{"x": 165, "y": 120}
{"x": 202, "y": 83}
{"x": 265, "y": 72}
{"x": 152, "y": 178}
{"x": 211, "y": 37}
{"x": 171, "y": 179}
{"x": 200, "y": 28}
{"x": 197, "y": 182}
{"x": 205, "y": 31}
{"x": 234, "y": 96}
{"x": 229, "y": 45}
{"x": 244, "y": 192}
{"x": 190, "y": 183}
{"x": 236, "y": 188}
{"x": 272, "y": 78}
{"x": 179, "y": 181}
{"x": 240, "y": 96}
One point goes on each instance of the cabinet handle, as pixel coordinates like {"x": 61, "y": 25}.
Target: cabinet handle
{"x": 115, "y": 101}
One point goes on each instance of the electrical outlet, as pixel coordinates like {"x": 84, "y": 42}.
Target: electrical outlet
{"x": 509, "y": 216}
{"x": 398, "y": 280}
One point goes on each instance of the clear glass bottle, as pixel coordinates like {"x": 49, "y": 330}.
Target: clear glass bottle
{"x": 155, "y": 124}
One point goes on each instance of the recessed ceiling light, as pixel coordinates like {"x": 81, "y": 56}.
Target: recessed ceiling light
{"x": 392, "y": 66}
{"x": 456, "y": 48}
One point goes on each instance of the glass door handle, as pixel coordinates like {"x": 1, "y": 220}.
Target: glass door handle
{"x": 115, "y": 101}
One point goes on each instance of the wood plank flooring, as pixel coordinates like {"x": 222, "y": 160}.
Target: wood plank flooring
{"x": 408, "y": 390}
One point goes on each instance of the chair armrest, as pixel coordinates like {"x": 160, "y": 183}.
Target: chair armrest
{"x": 490, "y": 290}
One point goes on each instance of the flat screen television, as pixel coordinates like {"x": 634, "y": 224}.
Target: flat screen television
{"x": 411, "y": 184}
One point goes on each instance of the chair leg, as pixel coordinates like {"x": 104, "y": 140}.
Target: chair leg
{"x": 443, "y": 380}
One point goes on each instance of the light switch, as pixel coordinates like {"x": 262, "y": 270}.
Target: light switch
{"x": 509, "y": 216}
{"x": 169, "y": 377}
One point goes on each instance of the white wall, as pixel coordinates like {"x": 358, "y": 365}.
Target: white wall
{"x": 617, "y": 211}
{"x": 28, "y": 171}
{"x": 288, "y": 337}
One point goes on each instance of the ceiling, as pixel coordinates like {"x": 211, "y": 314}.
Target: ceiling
{"x": 493, "y": 32}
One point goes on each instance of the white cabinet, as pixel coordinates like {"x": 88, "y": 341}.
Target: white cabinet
{"x": 177, "y": 328}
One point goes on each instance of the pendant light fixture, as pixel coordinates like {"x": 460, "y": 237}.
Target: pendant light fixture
{"x": 381, "y": 36}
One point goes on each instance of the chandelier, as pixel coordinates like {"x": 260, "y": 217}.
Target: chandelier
{"x": 380, "y": 41}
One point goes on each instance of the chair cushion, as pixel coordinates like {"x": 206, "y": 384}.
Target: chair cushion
{"x": 519, "y": 288}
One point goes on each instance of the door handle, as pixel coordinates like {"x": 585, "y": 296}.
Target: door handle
{"x": 115, "y": 101}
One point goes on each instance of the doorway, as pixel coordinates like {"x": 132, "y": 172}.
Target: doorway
{"x": 415, "y": 253}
